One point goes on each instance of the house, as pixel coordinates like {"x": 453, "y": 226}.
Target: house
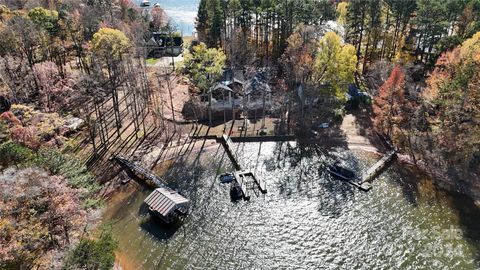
{"x": 257, "y": 89}
{"x": 225, "y": 97}
{"x": 160, "y": 44}
{"x": 220, "y": 92}
{"x": 222, "y": 97}
{"x": 257, "y": 96}
{"x": 235, "y": 80}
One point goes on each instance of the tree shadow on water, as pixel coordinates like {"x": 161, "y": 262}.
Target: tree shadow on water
{"x": 469, "y": 218}
{"x": 409, "y": 188}
{"x": 306, "y": 176}
{"x": 334, "y": 196}
{"x": 407, "y": 179}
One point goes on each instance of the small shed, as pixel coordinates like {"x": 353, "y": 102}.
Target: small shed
{"x": 164, "y": 202}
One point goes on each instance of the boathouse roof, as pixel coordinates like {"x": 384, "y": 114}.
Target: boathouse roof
{"x": 164, "y": 201}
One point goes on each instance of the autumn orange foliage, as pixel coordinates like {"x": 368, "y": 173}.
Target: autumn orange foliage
{"x": 40, "y": 214}
{"x": 10, "y": 119}
{"x": 390, "y": 105}
{"x": 26, "y": 136}
{"x": 454, "y": 88}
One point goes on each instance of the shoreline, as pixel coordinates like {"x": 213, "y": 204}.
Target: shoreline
{"x": 440, "y": 180}
{"x": 124, "y": 262}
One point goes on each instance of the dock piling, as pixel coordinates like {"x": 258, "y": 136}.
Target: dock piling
{"x": 241, "y": 175}
{"x": 373, "y": 171}
{"x": 364, "y": 182}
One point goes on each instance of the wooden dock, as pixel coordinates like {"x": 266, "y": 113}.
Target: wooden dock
{"x": 265, "y": 138}
{"x": 373, "y": 171}
{"x": 241, "y": 178}
{"x": 362, "y": 186}
{"x": 242, "y": 182}
{"x": 228, "y": 145}
{"x": 261, "y": 185}
{"x": 163, "y": 201}
{"x": 139, "y": 170}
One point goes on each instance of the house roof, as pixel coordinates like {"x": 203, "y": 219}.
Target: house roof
{"x": 220, "y": 86}
{"x": 165, "y": 200}
{"x": 238, "y": 75}
{"x": 162, "y": 40}
{"x": 235, "y": 80}
{"x": 231, "y": 76}
{"x": 256, "y": 84}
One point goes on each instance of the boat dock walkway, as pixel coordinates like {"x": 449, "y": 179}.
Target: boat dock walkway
{"x": 241, "y": 178}
{"x": 163, "y": 201}
{"x": 139, "y": 170}
{"x": 373, "y": 171}
{"x": 241, "y": 175}
{"x": 362, "y": 186}
{"x": 228, "y": 145}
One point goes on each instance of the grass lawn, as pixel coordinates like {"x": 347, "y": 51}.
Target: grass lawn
{"x": 152, "y": 61}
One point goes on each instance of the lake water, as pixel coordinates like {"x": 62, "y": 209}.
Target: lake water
{"x": 182, "y": 12}
{"x": 307, "y": 220}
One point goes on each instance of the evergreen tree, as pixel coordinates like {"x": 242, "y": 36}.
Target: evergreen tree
{"x": 356, "y": 15}
{"x": 93, "y": 254}
{"x": 432, "y": 25}
{"x": 215, "y": 24}
{"x": 401, "y": 13}
{"x": 202, "y": 20}
{"x": 373, "y": 31}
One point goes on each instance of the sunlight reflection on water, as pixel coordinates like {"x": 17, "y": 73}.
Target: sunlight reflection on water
{"x": 182, "y": 12}
{"x": 307, "y": 220}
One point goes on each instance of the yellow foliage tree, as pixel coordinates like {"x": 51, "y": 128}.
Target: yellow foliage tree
{"x": 470, "y": 49}
{"x": 204, "y": 66}
{"x": 110, "y": 43}
{"x": 342, "y": 9}
{"x": 335, "y": 64}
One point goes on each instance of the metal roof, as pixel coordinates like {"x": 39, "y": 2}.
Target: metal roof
{"x": 257, "y": 84}
{"x": 235, "y": 80}
{"x": 220, "y": 86}
{"x": 165, "y": 200}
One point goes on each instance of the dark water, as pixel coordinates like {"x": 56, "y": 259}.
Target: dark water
{"x": 307, "y": 220}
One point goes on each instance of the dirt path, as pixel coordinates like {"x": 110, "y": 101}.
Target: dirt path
{"x": 176, "y": 150}
{"x": 179, "y": 90}
{"x": 356, "y": 135}
{"x": 166, "y": 61}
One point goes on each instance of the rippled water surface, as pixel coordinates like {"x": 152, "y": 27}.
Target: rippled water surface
{"x": 182, "y": 13}
{"x": 307, "y": 220}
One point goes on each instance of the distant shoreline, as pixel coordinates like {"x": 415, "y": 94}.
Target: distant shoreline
{"x": 182, "y": 13}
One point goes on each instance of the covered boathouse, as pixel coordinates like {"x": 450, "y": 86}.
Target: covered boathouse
{"x": 164, "y": 202}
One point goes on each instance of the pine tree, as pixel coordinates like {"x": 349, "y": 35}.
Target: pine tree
{"x": 432, "y": 25}
{"x": 357, "y": 12}
{"x": 202, "y": 21}
{"x": 215, "y": 15}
